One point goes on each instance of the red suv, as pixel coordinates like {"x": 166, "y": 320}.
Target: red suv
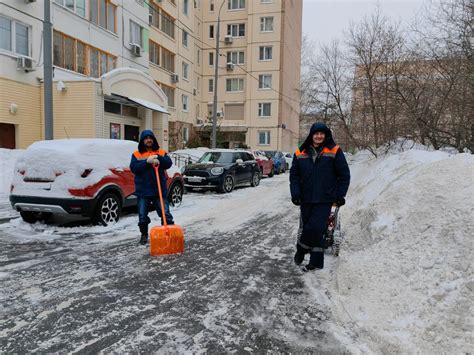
{"x": 264, "y": 162}
{"x": 88, "y": 177}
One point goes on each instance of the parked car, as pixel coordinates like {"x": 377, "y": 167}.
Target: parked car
{"x": 265, "y": 163}
{"x": 288, "y": 159}
{"x": 222, "y": 170}
{"x": 279, "y": 162}
{"x": 86, "y": 177}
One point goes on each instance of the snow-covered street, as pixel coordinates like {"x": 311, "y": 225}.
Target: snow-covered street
{"x": 403, "y": 282}
{"x": 235, "y": 288}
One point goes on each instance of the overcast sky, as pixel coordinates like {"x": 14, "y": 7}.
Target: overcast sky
{"x": 324, "y": 20}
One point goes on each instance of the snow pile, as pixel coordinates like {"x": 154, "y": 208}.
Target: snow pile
{"x": 404, "y": 277}
{"x": 7, "y": 161}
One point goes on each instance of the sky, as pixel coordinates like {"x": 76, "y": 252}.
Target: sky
{"x": 324, "y": 20}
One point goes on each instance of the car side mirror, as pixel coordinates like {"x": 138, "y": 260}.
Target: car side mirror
{"x": 239, "y": 161}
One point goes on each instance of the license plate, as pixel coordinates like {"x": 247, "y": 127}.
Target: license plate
{"x": 194, "y": 178}
{"x": 41, "y": 185}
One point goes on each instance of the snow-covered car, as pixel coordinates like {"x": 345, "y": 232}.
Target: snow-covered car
{"x": 222, "y": 169}
{"x": 288, "y": 159}
{"x": 87, "y": 177}
{"x": 264, "y": 162}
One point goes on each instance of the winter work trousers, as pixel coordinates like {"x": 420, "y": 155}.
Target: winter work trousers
{"x": 315, "y": 220}
{"x": 143, "y": 204}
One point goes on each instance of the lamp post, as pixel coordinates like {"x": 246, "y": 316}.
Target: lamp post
{"x": 216, "y": 67}
{"x": 48, "y": 73}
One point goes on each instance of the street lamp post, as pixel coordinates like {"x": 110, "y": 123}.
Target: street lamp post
{"x": 216, "y": 67}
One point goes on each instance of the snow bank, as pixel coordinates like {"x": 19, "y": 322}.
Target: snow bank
{"x": 404, "y": 277}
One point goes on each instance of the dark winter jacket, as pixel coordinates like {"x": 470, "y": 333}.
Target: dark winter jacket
{"x": 319, "y": 176}
{"x": 145, "y": 177}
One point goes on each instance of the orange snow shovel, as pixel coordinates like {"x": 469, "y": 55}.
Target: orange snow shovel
{"x": 167, "y": 239}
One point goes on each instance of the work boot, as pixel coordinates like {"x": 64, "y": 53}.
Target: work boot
{"x": 299, "y": 255}
{"x": 144, "y": 233}
{"x": 309, "y": 267}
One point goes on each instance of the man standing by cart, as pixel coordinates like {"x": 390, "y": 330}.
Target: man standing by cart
{"x": 319, "y": 177}
{"x": 143, "y": 163}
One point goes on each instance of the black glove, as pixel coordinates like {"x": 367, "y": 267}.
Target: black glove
{"x": 341, "y": 201}
{"x": 296, "y": 201}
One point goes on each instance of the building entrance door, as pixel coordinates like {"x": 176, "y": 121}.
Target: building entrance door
{"x": 131, "y": 133}
{"x": 7, "y": 136}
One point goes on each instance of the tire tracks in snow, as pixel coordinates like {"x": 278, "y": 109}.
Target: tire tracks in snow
{"x": 230, "y": 292}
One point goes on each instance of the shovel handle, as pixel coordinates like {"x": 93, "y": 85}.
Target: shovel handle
{"x": 161, "y": 195}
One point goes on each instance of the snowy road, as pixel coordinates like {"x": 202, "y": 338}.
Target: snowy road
{"x": 235, "y": 289}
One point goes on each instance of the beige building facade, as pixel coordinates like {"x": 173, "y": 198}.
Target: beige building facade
{"x": 123, "y": 66}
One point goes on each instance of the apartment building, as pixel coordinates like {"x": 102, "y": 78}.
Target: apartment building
{"x": 122, "y": 66}
{"x": 101, "y": 85}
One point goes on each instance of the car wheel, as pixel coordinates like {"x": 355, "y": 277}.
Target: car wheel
{"x": 176, "y": 195}
{"x": 255, "y": 179}
{"x": 228, "y": 184}
{"x": 107, "y": 210}
{"x": 272, "y": 172}
{"x": 33, "y": 217}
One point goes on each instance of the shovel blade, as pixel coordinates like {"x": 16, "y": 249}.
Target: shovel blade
{"x": 166, "y": 240}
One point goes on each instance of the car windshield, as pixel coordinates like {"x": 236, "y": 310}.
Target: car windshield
{"x": 271, "y": 153}
{"x": 216, "y": 157}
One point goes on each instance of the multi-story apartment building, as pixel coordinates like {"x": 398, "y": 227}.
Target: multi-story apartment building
{"x": 122, "y": 66}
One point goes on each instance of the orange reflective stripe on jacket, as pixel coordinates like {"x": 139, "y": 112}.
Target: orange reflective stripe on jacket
{"x": 330, "y": 152}
{"x": 301, "y": 154}
{"x": 144, "y": 155}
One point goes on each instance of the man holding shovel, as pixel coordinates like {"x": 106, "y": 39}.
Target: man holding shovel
{"x": 143, "y": 163}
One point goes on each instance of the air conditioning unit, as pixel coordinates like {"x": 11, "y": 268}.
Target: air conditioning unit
{"x": 195, "y": 91}
{"x": 25, "y": 63}
{"x": 174, "y": 78}
{"x": 136, "y": 50}
{"x": 228, "y": 39}
{"x": 199, "y": 120}
{"x": 150, "y": 19}
{"x": 230, "y": 66}
{"x": 30, "y": 1}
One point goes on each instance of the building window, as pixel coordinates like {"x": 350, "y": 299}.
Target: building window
{"x": 169, "y": 92}
{"x": 167, "y": 24}
{"x": 264, "y": 109}
{"x": 184, "y": 99}
{"x": 266, "y": 24}
{"x": 235, "y": 4}
{"x": 102, "y": 13}
{"x": 263, "y": 137}
{"x": 234, "y": 85}
{"x": 211, "y": 58}
{"x": 14, "y": 36}
{"x": 211, "y": 31}
{"x": 235, "y": 57}
{"x": 265, "y": 53}
{"x": 210, "y": 85}
{"x": 265, "y": 1}
{"x": 185, "y": 39}
{"x": 234, "y": 111}
{"x": 185, "y": 68}
{"x": 167, "y": 59}
{"x": 186, "y": 7}
{"x": 211, "y": 6}
{"x": 185, "y": 134}
{"x": 154, "y": 16}
{"x": 154, "y": 52}
{"x": 265, "y": 81}
{"x": 71, "y": 54}
{"x": 120, "y": 109}
{"x": 136, "y": 33}
{"x": 77, "y": 6}
{"x": 236, "y": 30}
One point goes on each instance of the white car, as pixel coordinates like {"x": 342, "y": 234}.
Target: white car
{"x": 288, "y": 159}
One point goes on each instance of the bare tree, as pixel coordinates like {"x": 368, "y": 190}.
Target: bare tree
{"x": 376, "y": 46}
